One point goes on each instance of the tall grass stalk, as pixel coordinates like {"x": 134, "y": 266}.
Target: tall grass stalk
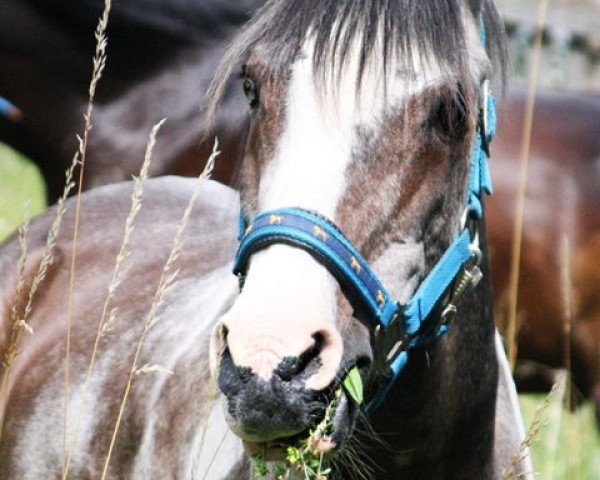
{"x": 99, "y": 62}
{"x": 16, "y": 324}
{"x": 212, "y": 460}
{"x": 555, "y": 414}
{"x": 563, "y": 377}
{"x": 168, "y": 276}
{"x": 108, "y": 316}
{"x": 511, "y": 333}
{"x": 512, "y": 471}
{"x": 46, "y": 261}
{"x": 566, "y": 289}
{"x": 575, "y": 425}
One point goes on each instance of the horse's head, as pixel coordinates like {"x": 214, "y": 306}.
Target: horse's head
{"x": 366, "y": 113}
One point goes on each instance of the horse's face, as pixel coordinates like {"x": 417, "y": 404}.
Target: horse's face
{"x": 386, "y": 159}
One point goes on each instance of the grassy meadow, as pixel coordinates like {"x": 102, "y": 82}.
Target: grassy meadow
{"x": 567, "y": 446}
{"x": 21, "y": 190}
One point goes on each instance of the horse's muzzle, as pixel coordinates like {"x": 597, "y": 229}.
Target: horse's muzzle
{"x": 261, "y": 410}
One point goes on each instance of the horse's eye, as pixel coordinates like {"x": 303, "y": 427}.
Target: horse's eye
{"x": 251, "y": 92}
{"x": 449, "y": 118}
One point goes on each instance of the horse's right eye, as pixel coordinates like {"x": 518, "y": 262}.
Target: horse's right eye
{"x": 449, "y": 118}
{"x": 251, "y": 92}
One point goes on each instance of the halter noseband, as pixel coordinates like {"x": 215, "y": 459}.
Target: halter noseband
{"x": 395, "y": 328}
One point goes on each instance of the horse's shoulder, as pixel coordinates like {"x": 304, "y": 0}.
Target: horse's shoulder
{"x": 163, "y": 201}
{"x": 208, "y": 242}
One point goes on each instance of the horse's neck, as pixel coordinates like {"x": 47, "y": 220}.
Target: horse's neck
{"x": 438, "y": 420}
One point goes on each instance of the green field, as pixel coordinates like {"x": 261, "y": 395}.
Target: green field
{"x": 21, "y": 190}
{"x": 568, "y": 444}
{"x": 567, "y": 447}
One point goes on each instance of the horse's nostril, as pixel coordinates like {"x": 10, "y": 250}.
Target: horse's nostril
{"x": 245, "y": 375}
{"x": 291, "y": 367}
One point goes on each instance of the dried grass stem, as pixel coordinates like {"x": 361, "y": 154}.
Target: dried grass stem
{"x": 168, "y": 276}
{"x": 99, "y": 62}
{"x": 108, "y": 316}
{"x": 511, "y": 333}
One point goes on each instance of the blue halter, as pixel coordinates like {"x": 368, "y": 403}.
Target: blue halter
{"x": 396, "y": 328}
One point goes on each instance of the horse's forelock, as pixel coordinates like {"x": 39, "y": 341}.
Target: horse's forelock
{"x": 338, "y": 28}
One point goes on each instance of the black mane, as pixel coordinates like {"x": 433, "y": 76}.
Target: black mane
{"x": 434, "y": 28}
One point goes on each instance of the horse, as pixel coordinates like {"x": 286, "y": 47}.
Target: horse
{"x": 562, "y": 201}
{"x": 367, "y": 118}
{"x": 49, "y": 86}
{"x": 186, "y": 40}
{"x": 166, "y": 50}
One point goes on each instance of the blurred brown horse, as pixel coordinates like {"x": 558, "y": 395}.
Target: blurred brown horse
{"x": 162, "y": 55}
{"x": 562, "y": 201}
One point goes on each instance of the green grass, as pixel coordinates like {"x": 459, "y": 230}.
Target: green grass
{"x": 21, "y": 188}
{"x": 568, "y": 445}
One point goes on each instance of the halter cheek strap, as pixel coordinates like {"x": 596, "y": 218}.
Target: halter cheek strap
{"x": 396, "y": 328}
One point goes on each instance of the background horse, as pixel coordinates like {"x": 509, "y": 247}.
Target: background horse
{"x": 390, "y": 169}
{"x": 163, "y": 54}
{"x": 562, "y": 201}
{"x": 164, "y": 406}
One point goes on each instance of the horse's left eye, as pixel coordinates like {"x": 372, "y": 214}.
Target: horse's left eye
{"x": 449, "y": 118}
{"x": 251, "y": 92}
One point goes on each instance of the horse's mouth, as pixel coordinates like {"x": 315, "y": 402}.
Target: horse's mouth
{"x": 324, "y": 437}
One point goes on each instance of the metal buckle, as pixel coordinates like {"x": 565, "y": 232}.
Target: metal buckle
{"x": 468, "y": 278}
{"x": 389, "y": 342}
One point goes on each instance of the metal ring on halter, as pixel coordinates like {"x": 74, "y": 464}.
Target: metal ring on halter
{"x": 471, "y": 223}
